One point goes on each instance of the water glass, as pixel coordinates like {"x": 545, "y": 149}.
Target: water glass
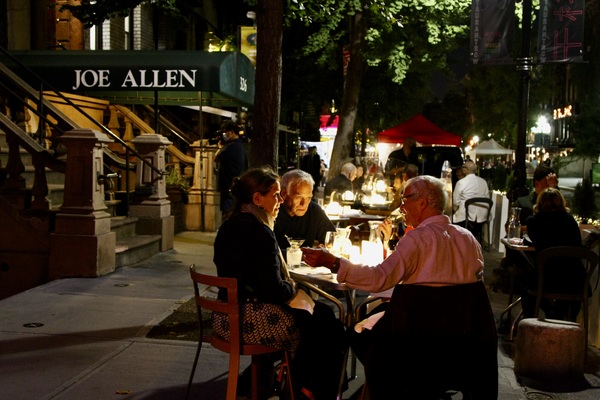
{"x": 294, "y": 257}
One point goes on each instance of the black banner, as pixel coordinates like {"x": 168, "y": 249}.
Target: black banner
{"x": 492, "y": 25}
{"x": 560, "y": 36}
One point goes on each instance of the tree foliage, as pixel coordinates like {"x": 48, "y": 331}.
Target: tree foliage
{"x": 92, "y": 13}
{"x": 396, "y": 37}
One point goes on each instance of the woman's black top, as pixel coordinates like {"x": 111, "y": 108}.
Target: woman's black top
{"x": 246, "y": 249}
{"x": 557, "y": 228}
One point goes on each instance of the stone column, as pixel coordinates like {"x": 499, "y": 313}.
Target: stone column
{"x": 193, "y": 209}
{"x": 152, "y": 206}
{"x": 203, "y": 208}
{"x": 82, "y": 243}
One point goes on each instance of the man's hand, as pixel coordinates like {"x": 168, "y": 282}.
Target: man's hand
{"x": 552, "y": 180}
{"x": 385, "y": 230}
{"x": 317, "y": 257}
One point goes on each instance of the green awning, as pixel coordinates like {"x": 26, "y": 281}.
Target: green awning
{"x": 134, "y": 77}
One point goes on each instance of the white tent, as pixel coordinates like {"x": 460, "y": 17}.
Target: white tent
{"x": 491, "y": 147}
{"x": 488, "y": 148}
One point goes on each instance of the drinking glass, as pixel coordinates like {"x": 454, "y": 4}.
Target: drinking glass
{"x": 329, "y": 239}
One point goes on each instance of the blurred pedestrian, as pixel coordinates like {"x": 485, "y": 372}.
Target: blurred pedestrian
{"x": 311, "y": 163}
{"x": 232, "y": 162}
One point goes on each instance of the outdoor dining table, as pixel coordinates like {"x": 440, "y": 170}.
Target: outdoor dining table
{"x": 528, "y": 253}
{"x": 327, "y": 281}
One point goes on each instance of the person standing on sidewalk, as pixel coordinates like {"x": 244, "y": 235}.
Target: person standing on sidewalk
{"x": 311, "y": 163}
{"x": 232, "y": 161}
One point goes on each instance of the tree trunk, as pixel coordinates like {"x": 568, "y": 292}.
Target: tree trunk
{"x": 342, "y": 146}
{"x": 267, "y": 98}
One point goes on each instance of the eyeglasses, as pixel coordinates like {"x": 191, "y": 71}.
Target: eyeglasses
{"x": 403, "y": 198}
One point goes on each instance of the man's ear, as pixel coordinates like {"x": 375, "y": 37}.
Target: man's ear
{"x": 283, "y": 193}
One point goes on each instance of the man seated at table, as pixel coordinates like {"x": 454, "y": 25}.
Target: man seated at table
{"x": 435, "y": 253}
{"x": 543, "y": 177}
{"x": 301, "y": 217}
{"x": 342, "y": 182}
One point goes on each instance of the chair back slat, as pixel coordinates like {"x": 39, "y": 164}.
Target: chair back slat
{"x": 476, "y": 200}
{"x": 590, "y": 263}
{"x": 480, "y": 201}
{"x": 230, "y": 307}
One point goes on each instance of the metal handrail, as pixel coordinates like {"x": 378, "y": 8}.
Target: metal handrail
{"x": 43, "y": 83}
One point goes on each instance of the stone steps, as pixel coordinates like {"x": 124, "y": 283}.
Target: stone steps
{"x": 132, "y": 248}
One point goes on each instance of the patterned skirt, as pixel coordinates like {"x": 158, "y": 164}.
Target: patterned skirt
{"x": 263, "y": 323}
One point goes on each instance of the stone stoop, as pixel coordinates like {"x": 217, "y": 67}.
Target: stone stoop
{"x": 132, "y": 248}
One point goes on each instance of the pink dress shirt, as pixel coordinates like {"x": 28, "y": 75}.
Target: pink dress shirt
{"x": 436, "y": 253}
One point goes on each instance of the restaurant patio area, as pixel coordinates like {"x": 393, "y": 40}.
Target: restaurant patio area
{"x": 84, "y": 338}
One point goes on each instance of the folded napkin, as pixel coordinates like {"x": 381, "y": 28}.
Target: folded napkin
{"x": 368, "y": 323}
{"x": 302, "y": 301}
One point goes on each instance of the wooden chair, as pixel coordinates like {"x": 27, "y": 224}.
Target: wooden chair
{"x": 590, "y": 262}
{"x": 478, "y": 201}
{"x": 235, "y": 346}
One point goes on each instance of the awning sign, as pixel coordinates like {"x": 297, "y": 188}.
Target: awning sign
{"x": 172, "y": 79}
{"x": 229, "y": 74}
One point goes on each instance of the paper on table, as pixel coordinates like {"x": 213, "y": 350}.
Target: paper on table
{"x": 313, "y": 271}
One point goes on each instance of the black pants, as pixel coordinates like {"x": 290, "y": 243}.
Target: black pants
{"x": 320, "y": 357}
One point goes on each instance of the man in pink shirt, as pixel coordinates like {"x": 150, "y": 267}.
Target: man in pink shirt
{"x": 438, "y": 326}
{"x": 434, "y": 253}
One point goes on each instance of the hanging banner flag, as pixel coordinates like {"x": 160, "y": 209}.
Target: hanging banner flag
{"x": 492, "y": 25}
{"x": 248, "y": 42}
{"x": 560, "y": 37}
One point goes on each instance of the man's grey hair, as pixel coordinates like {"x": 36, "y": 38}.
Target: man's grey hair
{"x": 433, "y": 189}
{"x": 295, "y": 177}
{"x": 411, "y": 171}
{"x": 470, "y": 166}
{"x": 348, "y": 168}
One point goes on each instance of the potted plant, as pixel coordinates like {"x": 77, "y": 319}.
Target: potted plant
{"x": 177, "y": 186}
{"x": 584, "y": 201}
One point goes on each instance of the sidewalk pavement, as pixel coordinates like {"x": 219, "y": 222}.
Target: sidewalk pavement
{"x": 84, "y": 339}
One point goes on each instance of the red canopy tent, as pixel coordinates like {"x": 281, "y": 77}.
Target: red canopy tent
{"x": 422, "y": 130}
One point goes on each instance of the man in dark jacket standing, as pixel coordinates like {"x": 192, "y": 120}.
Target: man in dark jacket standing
{"x": 311, "y": 163}
{"x": 232, "y": 162}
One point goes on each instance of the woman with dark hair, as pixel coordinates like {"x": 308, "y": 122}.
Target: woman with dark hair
{"x": 551, "y": 225}
{"x": 274, "y": 311}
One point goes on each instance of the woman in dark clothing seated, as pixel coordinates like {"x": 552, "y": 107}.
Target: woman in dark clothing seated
{"x": 275, "y": 313}
{"x": 550, "y": 226}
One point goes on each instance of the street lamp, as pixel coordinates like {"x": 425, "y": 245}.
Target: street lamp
{"x": 524, "y": 64}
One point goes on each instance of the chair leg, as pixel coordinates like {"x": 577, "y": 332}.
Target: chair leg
{"x": 285, "y": 373}
{"x": 513, "y": 327}
{"x": 189, "y": 386}
{"x": 232, "y": 379}
{"x": 364, "y": 392}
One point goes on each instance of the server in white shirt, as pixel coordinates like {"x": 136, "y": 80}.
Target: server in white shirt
{"x": 466, "y": 188}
